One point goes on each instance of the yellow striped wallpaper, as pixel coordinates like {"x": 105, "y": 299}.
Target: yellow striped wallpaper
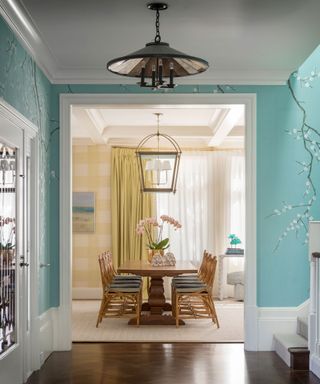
{"x": 91, "y": 173}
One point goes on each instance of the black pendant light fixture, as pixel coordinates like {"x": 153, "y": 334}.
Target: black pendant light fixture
{"x": 157, "y": 62}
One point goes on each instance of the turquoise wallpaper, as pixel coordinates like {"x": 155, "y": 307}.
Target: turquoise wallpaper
{"x": 290, "y": 194}
{"x": 26, "y": 88}
{"x": 283, "y": 164}
{"x": 283, "y": 271}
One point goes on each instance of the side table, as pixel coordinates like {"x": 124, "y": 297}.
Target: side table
{"x": 223, "y": 273}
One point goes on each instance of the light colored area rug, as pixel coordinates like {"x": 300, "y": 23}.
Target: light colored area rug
{"x": 84, "y": 317}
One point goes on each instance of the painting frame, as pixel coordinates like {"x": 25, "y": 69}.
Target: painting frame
{"x": 83, "y": 212}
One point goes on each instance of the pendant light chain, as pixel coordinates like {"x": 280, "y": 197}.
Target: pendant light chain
{"x": 157, "y": 61}
{"x": 158, "y": 121}
{"x": 157, "y": 39}
{"x": 158, "y": 133}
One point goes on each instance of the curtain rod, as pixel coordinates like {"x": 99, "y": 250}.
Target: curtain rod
{"x": 211, "y": 149}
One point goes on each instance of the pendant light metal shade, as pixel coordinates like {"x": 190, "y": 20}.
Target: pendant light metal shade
{"x": 157, "y": 61}
{"x": 182, "y": 64}
{"x": 158, "y": 168}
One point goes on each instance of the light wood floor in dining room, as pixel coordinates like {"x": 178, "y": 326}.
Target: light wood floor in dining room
{"x": 157, "y": 363}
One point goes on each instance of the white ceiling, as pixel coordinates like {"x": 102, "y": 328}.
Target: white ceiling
{"x": 191, "y": 126}
{"x": 244, "y": 41}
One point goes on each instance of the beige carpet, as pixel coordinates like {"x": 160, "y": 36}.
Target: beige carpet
{"x": 84, "y": 317}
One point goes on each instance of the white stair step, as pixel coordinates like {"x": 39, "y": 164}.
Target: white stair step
{"x": 302, "y": 327}
{"x": 284, "y": 341}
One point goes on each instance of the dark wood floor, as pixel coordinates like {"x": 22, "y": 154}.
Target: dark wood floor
{"x": 156, "y": 363}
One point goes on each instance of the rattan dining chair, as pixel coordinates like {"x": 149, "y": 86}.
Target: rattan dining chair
{"x": 194, "y": 276}
{"x": 120, "y": 296}
{"x": 193, "y": 298}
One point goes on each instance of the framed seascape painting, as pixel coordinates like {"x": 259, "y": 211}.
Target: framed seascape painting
{"x": 83, "y": 212}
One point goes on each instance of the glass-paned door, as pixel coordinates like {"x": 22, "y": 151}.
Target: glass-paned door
{"x": 8, "y": 176}
{"x": 12, "y": 235}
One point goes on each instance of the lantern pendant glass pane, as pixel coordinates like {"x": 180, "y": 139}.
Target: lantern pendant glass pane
{"x": 158, "y": 170}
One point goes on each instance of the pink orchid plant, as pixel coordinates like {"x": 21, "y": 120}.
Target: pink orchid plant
{"x": 153, "y": 230}
{"x": 7, "y": 232}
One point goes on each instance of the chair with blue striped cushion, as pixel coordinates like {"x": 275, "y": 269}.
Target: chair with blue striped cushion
{"x": 194, "y": 276}
{"x": 192, "y": 298}
{"x": 116, "y": 277}
{"x": 119, "y": 296}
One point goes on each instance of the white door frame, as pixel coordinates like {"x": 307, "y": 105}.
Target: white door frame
{"x": 64, "y": 341}
{"x": 30, "y": 342}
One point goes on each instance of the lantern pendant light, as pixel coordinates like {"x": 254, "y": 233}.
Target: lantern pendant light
{"x": 158, "y": 168}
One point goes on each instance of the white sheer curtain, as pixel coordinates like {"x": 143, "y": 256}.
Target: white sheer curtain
{"x": 237, "y": 215}
{"x": 189, "y": 205}
{"x": 209, "y": 203}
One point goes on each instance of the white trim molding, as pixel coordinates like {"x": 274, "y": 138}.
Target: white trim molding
{"x": 250, "y": 302}
{"x": 315, "y": 365}
{"x": 314, "y": 318}
{"x": 278, "y": 320}
{"x": 48, "y": 333}
{"x": 155, "y": 100}
{"x": 30, "y": 340}
{"x": 15, "y": 117}
{"x": 35, "y": 251}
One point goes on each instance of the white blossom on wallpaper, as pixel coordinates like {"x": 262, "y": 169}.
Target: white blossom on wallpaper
{"x": 309, "y": 137}
{"x": 26, "y": 88}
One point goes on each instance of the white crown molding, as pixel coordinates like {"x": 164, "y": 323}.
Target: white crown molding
{"x": 26, "y": 31}
{"x": 240, "y": 77}
{"x": 28, "y": 35}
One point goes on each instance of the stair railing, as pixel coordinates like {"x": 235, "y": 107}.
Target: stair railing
{"x": 314, "y": 315}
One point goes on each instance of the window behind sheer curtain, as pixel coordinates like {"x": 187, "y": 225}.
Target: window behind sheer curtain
{"x": 209, "y": 203}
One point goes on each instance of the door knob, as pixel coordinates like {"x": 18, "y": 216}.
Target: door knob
{"x": 43, "y": 265}
{"x": 23, "y": 264}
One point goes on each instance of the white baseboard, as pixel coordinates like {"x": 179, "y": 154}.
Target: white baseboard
{"x": 282, "y": 351}
{"x": 315, "y": 365}
{"x": 278, "y": 320}
{"x": 47, "y": 327}
{"x": 251, "y": 328}
{"x": 86, "y": 293}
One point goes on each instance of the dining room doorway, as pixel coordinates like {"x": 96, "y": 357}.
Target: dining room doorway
{"x": 125, "y": 139}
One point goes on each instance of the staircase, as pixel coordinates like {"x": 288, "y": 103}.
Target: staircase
{"x": 293, "y": 348}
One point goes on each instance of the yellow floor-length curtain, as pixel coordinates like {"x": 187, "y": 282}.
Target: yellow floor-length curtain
{"x": 129, "y": 206}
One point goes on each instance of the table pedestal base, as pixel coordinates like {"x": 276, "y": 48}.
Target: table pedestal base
{"x": 156, "y": 320}
{"x": 156, "y": 305}
{"x": 166, "y": 307}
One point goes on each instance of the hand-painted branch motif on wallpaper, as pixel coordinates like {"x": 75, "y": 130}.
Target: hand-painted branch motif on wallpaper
{"x": 307, "y": 81}
{"x": 127, "y": 88}
{"x": 25, "y": 87}
{"x": 310, "y": 140}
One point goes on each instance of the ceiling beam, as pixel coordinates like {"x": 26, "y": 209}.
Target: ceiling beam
{"x": 231, "y": 119}
{"x": 83, "y": 127}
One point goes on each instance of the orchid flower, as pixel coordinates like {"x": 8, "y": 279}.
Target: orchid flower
{"x": 149, "y": 225}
